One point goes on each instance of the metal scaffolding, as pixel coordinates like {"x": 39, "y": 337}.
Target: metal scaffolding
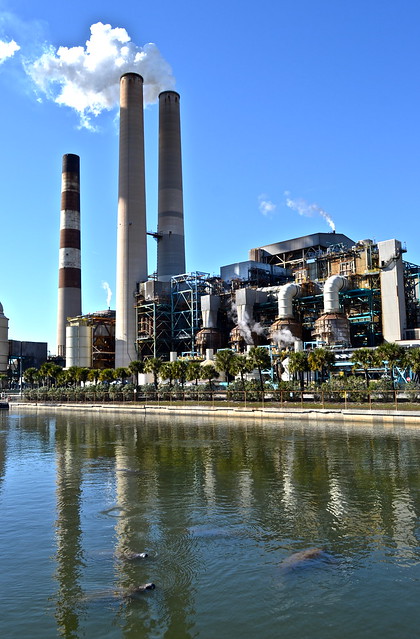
{"x": 153, "y": 329}
{"x": 186, "y": 291}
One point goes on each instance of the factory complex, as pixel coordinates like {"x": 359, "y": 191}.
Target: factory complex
{"x": 322, "y": 289}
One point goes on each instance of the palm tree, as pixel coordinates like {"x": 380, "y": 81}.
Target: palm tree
{"x": 413, "y": 360}
{"x": 107, "y": 375}
{"x": 209, "y": 373}
{"x": 364, "y": 358}
{"x": 180, "y": 367}
{"x": 122, "y": 373}
{"x": 82, "y": 375}
{"x": 223, "y": 361}
{"x": 30, "y": 376}
{"x": 153, "y": 365}
{"x": 298, "y": 364}
{"x": 194, "y": 371}
{"x": 393, "y": 354}
{"x": 260, "y": 359}
{"x": 136, "y": 367}
{"x": 241, "y": 365}
{"x": 72, "y": 374}
{"x": 94, "y": 374}
{"x": 321, "y": 360}
{"x": 167, "y": 371}
{"x": 49, "y": 372}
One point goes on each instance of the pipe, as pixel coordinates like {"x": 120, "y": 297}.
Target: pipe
{"x": 332, "y": 287}
{"x": 69, "y": 273}
{"x": 285, "y": 299}
{"x": 131, "y": 233}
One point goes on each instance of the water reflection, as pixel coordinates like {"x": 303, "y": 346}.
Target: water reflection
{"x": 217, "y": 507}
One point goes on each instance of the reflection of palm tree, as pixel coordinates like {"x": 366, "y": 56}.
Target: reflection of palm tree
{"x": 364, "y": 358}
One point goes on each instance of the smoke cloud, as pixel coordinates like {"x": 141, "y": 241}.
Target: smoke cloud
{"x": 248, "y": 326}
{"x": 86, "y": 79}
{"x": 308, "y": 210}
{"x": 7, "y": 49}
{"x": 106, "y": 286}
{"x": 283, "y": 338}
{"x": 266, "y": 207}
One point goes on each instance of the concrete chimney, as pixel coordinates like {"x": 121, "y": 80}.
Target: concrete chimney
{"x": 69, "y": 274}
{"x": 131, "y": 233}
{"x": 171, "y": 244}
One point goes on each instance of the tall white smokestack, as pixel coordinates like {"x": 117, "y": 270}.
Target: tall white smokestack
{"x": 131, "y": 233}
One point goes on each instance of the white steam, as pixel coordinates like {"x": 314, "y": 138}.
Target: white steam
{"x": 308, "y": 210}
{"x": 106, "y": 286}
{"x": 7, "y": 49}
{"x": 246, "y": 325}
{"x": 283, "y": 338}
{"x": 265, "y": 206}
{"x": 86, "y": 79}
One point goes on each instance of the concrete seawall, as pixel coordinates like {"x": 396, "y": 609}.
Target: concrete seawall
{"x": 349, "y": 416}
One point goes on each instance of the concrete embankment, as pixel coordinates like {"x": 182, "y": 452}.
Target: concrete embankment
{"x": 354, "y": 416}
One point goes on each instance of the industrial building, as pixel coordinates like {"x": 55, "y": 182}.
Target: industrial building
{"x": 318, "y": 289}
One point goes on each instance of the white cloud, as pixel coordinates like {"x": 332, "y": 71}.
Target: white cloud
{"x": 86, "y": 79}
{"x": 265, "y": 206}
{"x": 7, "y": 49}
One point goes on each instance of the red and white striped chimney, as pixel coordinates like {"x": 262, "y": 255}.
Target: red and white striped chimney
{"x": 69, "y": 273}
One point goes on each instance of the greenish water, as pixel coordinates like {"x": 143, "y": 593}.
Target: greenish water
{"x": 219, "y": 507}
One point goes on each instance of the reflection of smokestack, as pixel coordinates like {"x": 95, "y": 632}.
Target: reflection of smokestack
{"x": 69, "y": 275}
{"x": 131, "y": 234}
{"x": 171, "y": 246}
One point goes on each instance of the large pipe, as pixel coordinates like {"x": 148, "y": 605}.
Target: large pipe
{"x": 332, "y": 287}
{"x": 171, "y": 243}
{"x": 69, "y": 274}
{"x": 131, "y": 233}
{"x": 285, "y": 299}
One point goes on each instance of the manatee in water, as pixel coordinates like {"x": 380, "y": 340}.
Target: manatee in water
{"x": 306, "y": 558}
{"x": 138, "y": 590}
{"x": 132, "y": 556}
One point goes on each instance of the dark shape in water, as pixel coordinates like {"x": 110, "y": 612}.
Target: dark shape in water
{"x": 132, "y": 556}
{"x": 132, "y": 594}
{"x": 306, "y": 558}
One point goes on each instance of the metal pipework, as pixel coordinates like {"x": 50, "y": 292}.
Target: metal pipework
{"x": 131, "y": 232}
{"x": 285, "y": 299}
{"x": 332, "y": 287}
{"x": 69, "y": 273}
{"x": 171, "y": 243}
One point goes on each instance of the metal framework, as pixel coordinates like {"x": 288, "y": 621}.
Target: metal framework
{"x": 186, "y": 291}
{"x": 153, "y": 329}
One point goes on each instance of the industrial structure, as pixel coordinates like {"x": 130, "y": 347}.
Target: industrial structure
{"x": 69, "y": 274}
{"x": 318, "y": 289}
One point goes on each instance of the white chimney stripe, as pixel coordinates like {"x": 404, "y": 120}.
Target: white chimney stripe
{"x": 70, "y": 220}
{"x": 69, "y": 258}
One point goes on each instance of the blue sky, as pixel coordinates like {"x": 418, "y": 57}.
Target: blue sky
{"x": 294, "y": 112}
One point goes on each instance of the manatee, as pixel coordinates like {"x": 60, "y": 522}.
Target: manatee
{"x": 138, "y": 590}
{"x": 306, "y": 558}
{"x": 132, "y": 556}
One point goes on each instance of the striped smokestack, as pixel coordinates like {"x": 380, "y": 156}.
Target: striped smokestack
{"x": 69, "y": 274}
{"x": 131, "y": 233}
{"x": 171, "y": 245}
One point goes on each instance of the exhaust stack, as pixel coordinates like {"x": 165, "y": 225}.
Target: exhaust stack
{"x": 171, "y": 244}
{"x": 131, "y": 233}
{"x": 69, "y": 274}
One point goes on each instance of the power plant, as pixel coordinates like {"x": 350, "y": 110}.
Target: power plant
{"x": 318, "y": 289}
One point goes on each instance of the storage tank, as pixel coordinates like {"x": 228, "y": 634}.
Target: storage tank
{"x": 79, "y": 346}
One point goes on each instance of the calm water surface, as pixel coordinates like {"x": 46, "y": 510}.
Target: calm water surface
{"x": 219, "y": 506}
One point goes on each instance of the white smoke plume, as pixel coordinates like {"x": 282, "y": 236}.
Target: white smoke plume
{"x": 283, "y": 338}
{"x": 265, "y": 206}
{"x": 247, "y": 326}
{"x": 106, "y": 286}
{"x": 7, "y": 49}
{"x": 86, "y": 79}
{"x": 308, "y": 210}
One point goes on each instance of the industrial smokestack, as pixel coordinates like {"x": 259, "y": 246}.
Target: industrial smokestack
{"x": 171, "y": 245}
{"x": 69, "y": 274}
{"x": 131, "y": 233}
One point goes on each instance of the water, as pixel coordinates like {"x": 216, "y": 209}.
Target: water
{"x": 219, "y": 506}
